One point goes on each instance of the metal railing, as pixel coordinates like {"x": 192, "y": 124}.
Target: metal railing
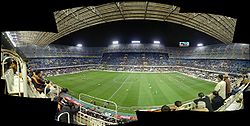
{"x": 85, "y": 119}
{"x": 68, "y": 120}
{"x": 103, "y": 100}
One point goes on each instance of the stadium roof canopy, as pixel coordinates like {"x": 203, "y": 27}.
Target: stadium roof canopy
{"x": 71, "y": 20}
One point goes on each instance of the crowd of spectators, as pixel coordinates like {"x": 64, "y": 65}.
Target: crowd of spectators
{"x": 231, "y": 66}
{"x": 61, "y": 62}
{"x": 134, "y": 58}
{"x": 162, "y": 59}
{"x": 216, "y": 57}
{"x": 66, "y": 70}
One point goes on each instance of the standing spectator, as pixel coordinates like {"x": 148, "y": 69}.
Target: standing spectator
{"x": 38, "y": 82}
{"x": 217, "y": 101}
{"x": 221, "y": 87}
{"x": 12, "y": 78}
{"x": 9, "y": 75}
{"x": 228, "y": 85}
{"x": 205, "y": 99}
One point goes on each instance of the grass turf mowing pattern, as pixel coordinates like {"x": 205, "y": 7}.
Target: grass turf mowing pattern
{"x": 135, "y": 89}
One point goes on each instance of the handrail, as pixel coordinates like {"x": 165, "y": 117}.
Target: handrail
{"x": 84, "y": 115}
{"x": 58, "y": 117}
{"x": 82, "y": 108}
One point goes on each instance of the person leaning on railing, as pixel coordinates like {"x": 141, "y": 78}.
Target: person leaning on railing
{"x": 39, "y": 82}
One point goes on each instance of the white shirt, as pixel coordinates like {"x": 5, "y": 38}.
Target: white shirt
{"x": 9, "y": 76}
{"x": 13, "y": 81}
{"x": 221, "y": 88}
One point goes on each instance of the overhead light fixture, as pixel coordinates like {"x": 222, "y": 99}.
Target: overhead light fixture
{"x": 157, "y": 42}
{"x": 135, "y": 42}
{"x": 199, "y": 44}
{"x": 115, "y": 42}
{"x": 79, "y": 45}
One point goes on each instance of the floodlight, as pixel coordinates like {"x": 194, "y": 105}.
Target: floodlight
{"x": 157, "y": 42}
{"x": 115, "y": 42}
{"x": 135, "y": 42}
{"x": 79, "y": 45}
{"x": 199, "y": 44}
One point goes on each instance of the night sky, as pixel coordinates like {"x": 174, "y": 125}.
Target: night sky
{"x": 169, "y": 34}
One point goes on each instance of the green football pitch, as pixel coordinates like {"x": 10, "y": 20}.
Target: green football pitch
{"x": 134, "y": 89}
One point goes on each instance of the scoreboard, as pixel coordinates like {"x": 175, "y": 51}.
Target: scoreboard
{"x": 183, "y": 44}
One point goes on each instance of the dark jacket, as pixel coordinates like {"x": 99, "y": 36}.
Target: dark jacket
{"x": 217, "y": 102}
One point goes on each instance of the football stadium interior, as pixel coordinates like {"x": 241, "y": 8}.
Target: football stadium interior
{"x": 107, "y": 85}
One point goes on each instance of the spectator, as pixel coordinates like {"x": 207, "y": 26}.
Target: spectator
{"x": 165, "y": 108}
{"x": 38, "y": 82}
{"x": 9, "y": 75}
{"x": 93, "y": 102}
{"x": 221, "y": 87}
{"x": 201, "y": 107}
{"x": 205, "y": 99}
{"x": 178, "y": 106}
{"x": 228, "y": 85}
{"x": 12, "y": 77}
{"x": 245, "y": 80}
{"x": 71, "y": 109}
{"x": 105, "y": 104}
{"x": 217, "y": 100}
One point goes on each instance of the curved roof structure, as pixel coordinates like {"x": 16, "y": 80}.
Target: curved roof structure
{"x": 71, "y": 20}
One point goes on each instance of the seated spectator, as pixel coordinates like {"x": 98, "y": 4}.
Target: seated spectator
{"x": 64, "y": 90}
{"x": 245, "y": 80}
{"x": 205, "y": 99}
{"x": 39, "y": 83}
{"x": 239, "y": 80}
{"x": 165, "y": 108}
{"x": 178, "y": 106}
{"x": 201, "y": 107}
{"x": 217, "y": 100}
